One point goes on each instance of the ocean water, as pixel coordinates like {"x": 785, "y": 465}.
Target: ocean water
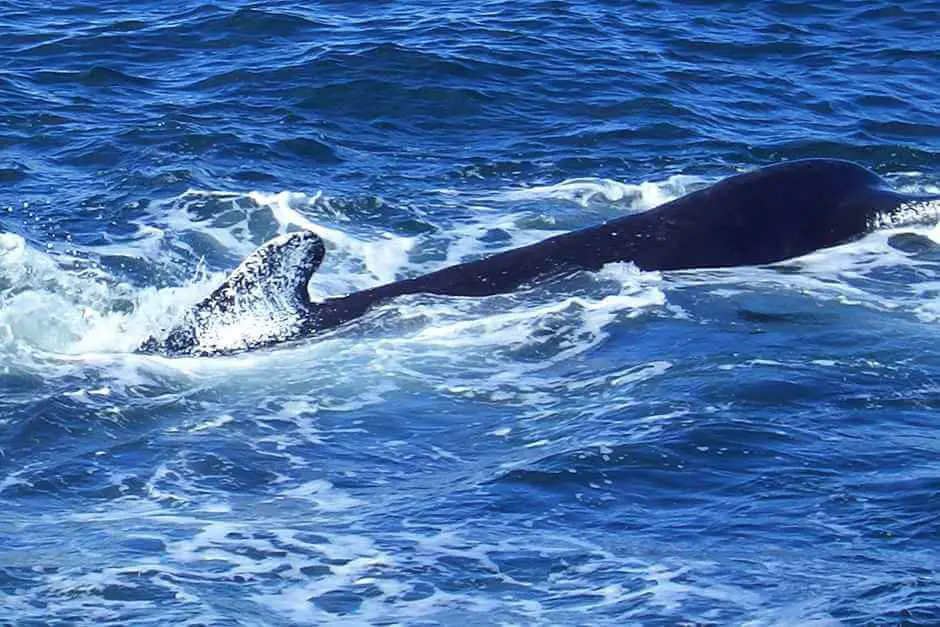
{"x": 751, "y": 446}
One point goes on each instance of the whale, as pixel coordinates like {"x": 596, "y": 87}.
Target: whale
{"x": 760, "y": 217}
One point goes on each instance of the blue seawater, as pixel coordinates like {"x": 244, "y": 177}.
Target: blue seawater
{"x": 751, "y": 446}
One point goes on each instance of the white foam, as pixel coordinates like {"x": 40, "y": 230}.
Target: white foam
{"x": 48, "y": 307}
{"x": 585, "y": 191}
{"x": 383, "y": 256}
{"x": 913, "y": 213}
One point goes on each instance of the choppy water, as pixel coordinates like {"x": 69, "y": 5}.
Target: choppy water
{"x": 751, "y": 446}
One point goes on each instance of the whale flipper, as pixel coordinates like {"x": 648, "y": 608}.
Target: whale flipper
{"x": 262, "y": 302}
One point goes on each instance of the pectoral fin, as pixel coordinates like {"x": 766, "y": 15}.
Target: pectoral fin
{"x": 263, "y": 301}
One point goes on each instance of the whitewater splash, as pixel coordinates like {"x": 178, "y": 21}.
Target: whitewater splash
{"x": 49, "y": 306}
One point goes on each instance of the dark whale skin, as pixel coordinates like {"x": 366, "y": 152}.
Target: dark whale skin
{"x": 759, "y": 217}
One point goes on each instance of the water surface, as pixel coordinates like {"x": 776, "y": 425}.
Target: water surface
{"x": 746, "y": 446}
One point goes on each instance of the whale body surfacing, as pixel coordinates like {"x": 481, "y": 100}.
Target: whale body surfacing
{"x": 759, "y": 217}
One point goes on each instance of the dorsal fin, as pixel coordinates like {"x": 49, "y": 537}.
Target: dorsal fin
{"x": 263, "y": 301}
